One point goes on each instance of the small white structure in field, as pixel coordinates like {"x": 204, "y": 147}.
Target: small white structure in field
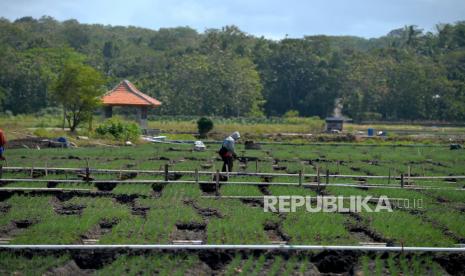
{"x": 199, "y": 146}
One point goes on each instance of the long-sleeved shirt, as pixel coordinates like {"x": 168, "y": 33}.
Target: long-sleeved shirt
{"x": 228, "y": 144}
{"x": 2, "y": 139}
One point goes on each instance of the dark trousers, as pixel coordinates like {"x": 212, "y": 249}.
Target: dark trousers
{"x": 227, "y": 163}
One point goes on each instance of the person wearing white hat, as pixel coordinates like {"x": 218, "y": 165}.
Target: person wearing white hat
{"x": 227, "y": 151}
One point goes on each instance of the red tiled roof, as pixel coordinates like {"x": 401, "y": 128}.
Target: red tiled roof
{"x": 125, "y": 93}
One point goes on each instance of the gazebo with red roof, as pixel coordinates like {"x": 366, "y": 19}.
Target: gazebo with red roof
{"x": 126, "y": 94}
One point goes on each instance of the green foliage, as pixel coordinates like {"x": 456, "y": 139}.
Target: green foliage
{"x": 119, "y": 130}
{"x": 77, "y": 89}
{"x": 406, "y": 75}
{"x": 291, "y": 114}
{"x": 204, "y": 125}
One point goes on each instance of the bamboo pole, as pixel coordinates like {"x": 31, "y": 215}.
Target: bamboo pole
{"x": 217, "y": 183}
{"x": 161, "y": 172}
{"x": 87, "y": 170}
{"x": 197, "y": 176}
{"x": 318, "y": 179}
{"x": 234, "y": 183}
{"x": 166, "y": 172}
{"x": 231, "y": 247}
{"x": 389, "y": 176}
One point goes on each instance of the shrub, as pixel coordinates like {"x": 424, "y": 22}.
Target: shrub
{"x": 43, "y": 133}
{"x": 204, "y": 125}
{"x": 119, "y": 130}
{"x": 291, "y": 114}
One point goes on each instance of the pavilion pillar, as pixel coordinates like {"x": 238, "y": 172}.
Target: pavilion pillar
{"x": 108, "y": 111}
{"x": 143, "y": 117}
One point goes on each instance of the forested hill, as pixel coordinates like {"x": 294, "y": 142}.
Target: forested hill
{"x": 406, "y": 75}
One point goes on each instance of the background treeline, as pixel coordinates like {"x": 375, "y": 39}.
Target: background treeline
{"x": 405, "y": 75}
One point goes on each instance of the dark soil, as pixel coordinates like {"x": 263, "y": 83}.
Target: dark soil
{"x": 252, "y": 202}
{"x": 126, "y": 199}
{"x": 64, "y": 196}
{"x": 128, "y": 175}
{"x": 190, "y": 231}
{"x": 174, "y": 176}
{"x": 204, "y": 212}
{"x": 215, "y": 260}
{"x": 363, "y": 233}
{"x": 105, "y": 186}
{"x": 191, "y": 226}
{"x": 209, "y": 188}
{"x": 73, "y": 209}
{"x": 31, "y": 143}
{"x": 140, "y": 211}
{"x": 4, "y": 195}
{"x": 267, "y": 179}
{"x": 275, "y": 232}
{"x": 279, "y": 168}
{"x": 52, "y": 184}
{"x": 4, "y": 208}
{"x": 157, "y": 189}
{"x": 69, "y": 268}
{"x": 452, "y": 263}
{"x": 23, "y": 223}
{"x": 108, "y": 223}
{"x": 37, "y": 174}
{"x": 264, "y": 189}
{"x": 102, "y": 228}
{"x": 15, "y": 227}
{"x": 93, "y": 259}
{"x": 336, "y": 261}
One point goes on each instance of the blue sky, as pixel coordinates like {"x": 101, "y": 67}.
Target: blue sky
{"x": 273, "y": 18}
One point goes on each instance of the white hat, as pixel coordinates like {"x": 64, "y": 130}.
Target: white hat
{"x": 236, "y": 135}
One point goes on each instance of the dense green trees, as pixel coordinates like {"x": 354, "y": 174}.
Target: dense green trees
{"x": 405, "y": 75}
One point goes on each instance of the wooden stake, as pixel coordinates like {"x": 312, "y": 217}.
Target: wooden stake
{"x": 389, "y": 176}
{"x": 46, "y": 169}
{"x": 166, "y": 172}
{"x": 300, "y": 178}
{"x": 256, "y": 166}
{"x": 197, "y": 176}
{"x": 318, "y": 179}
{"x": 87, "y": 170}
{"x": 402, "y": 180}
{"x": 217, "y": 182}
{"x": 32, "y": 170}
{"x": 1, "y": 170}
{"x": 327, "y": 176}
{"x": 408, "y": 175}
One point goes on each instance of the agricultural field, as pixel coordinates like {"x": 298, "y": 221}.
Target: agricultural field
{"x": 150, "y": 194}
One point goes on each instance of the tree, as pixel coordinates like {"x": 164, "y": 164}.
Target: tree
{"x": 204, "y": 125}
{"x": 77, "y": 89}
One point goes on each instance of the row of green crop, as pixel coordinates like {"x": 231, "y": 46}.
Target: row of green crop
{"x": 183, "y": 264}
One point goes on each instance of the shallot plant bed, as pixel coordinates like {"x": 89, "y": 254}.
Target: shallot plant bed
{"x": 162, "y": 213}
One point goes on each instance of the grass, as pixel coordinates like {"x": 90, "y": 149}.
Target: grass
{"x": 16, "y": 264}
{"x": 180, "y": 264}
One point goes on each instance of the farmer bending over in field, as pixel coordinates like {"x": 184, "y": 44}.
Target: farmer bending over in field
{"x": 2, "y": 144}
{"x": 227, "y": 152}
